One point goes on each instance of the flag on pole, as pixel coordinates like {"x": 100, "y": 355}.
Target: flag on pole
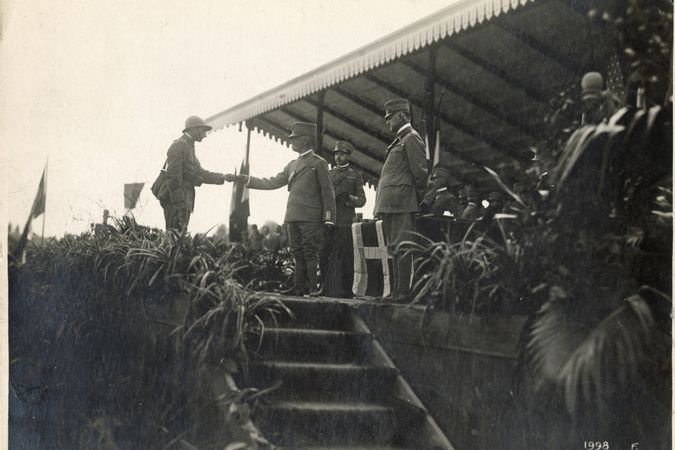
{"x": 132, "y": 191}
{"x": 437, "y": 149}
{"x": 426, "y": 146}
{"x": 239, "y": 206}
{"x": 41, "y": 197}
{"x": 39, "y": 207}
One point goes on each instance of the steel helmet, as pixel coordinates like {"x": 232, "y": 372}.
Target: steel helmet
{"x": 194, "y": 122}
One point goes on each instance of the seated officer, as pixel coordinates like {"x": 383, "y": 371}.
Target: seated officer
{"x": 474, "y": 209}
{"x": 437, "y": 199}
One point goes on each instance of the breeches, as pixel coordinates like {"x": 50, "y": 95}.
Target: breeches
{"x": 174, "y": 217}
{"x": 305, "y": 239}
{"x": 397, "y": 227}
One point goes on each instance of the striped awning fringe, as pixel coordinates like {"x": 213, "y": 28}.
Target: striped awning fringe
{"x": 453, "y": 19}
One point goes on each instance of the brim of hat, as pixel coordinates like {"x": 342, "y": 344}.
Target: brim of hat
{"x": 342, "y": 151}
{"x": 591, "y": 95}
{"x": 208, "y": 127}
{"x": 388, "y": 115}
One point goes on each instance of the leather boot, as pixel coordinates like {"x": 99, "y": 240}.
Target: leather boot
{"x": 299, "y": 287}
{"x": 312, "y": 278}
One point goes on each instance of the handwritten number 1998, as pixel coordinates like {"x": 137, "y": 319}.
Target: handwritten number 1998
{"x": 596, "y": 445}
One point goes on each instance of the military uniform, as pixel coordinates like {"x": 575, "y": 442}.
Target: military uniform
{"x": 404, "y": 174}
{"x": 311, "y": 202}
{"x": 337, "y": 254}
{"x": 437, "y": 199}
{"x": 183, "y": 174}
{"x": 474, "y": 209}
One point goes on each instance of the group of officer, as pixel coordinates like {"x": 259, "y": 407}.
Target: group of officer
{"x": 321, "y": 202}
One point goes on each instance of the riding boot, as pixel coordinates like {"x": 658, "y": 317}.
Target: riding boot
{"x": 311, "y": 277}
{"x": 299, "y": 287}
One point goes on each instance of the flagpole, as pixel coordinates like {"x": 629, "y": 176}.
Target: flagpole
{"x": 44, "y": 214}
{"x": 248, "y": 143}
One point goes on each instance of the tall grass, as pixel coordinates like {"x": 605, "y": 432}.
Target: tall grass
{"x": 102, "y": 289}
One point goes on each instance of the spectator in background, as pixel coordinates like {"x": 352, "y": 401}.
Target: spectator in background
{"x": 270, "y": 240}
{"x": 474, "y": 209}
{"x": 255, "y": 239}
{"x": 496, "y": 203}
{"x": 462, "y": 202}
{"x": 437, "y": 199}
{"x": 283, "y": 236}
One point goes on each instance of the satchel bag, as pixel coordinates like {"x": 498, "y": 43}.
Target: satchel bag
{"x": 158, "y": 189}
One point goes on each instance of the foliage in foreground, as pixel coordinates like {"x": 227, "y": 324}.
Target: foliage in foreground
{"x": 590, "y": 261}
{"x": 103, "y": 286}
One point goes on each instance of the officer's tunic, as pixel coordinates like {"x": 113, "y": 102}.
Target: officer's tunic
{"x": 311, "y": 201}
{"x": 337, "y": 254}
{"x": 183, "y": 174}
{"x": 403, "y": 174}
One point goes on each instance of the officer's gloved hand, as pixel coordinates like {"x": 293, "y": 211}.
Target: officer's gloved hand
{"x": 229, "y": 177}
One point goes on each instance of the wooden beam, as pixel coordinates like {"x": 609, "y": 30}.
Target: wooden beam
{"x": 352, "y": 123}
{"x": 319, "y": 119}
{"x": 496, "y": 71}
{"x": 380, "y": 111}
{"x": 332, "y": 134}
{"x": 475, "y": 101}
{"x": 368, "y": 174}
{"x": 488, "y": 142}
{"x": 541, "y": 48}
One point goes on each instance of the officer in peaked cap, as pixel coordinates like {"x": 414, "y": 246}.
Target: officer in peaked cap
{"x": 404, "y": 173}
{"x": 337, "y": 254}
{"x": 183, "y": 173}
{"x": 474, "y": 209}
{"x": 310, "y": 207}
{"x": 437, "y": 198}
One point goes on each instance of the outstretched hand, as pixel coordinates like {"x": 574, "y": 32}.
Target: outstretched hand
{"x": 230, "y": 177}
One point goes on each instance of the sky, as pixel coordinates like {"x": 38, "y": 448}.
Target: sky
{"x": 101, "y": 89}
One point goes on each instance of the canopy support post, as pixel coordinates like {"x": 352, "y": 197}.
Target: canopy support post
{"x": 319, "y": 121}
{"x": 431, "y": 121}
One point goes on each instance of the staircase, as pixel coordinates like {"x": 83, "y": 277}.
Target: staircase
{"x": 339, "y": 390}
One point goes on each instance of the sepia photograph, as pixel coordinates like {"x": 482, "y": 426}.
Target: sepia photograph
{"x": 336, "y": 225}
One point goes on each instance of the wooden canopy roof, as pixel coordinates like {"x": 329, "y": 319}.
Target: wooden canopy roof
{"x": 486, "y": 70}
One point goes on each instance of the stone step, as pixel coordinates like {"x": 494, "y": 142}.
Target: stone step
{"x": 298, "y": 424}
{"x": 322, "y": 381}
{"x": 296, "y": 344}
{"x": 313, "y": 314}
{"x": 359, "y": 447}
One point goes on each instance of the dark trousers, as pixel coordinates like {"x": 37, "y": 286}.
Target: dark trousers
{"x": 305, "y": 241}
{"x": 398, "y": 227}
{"x": 174, "y": 217}
{"x": 337, "y": 263}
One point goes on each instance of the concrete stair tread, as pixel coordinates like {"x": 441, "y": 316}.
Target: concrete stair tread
{"x": 315, "y": 365}
{"x": 351, "y": 407}
{"x": 357, "y": 447}
{"x": 311, "y": 332}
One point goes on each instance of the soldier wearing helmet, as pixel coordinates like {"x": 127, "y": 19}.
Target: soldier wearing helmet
{"x": 183, "y": 174}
